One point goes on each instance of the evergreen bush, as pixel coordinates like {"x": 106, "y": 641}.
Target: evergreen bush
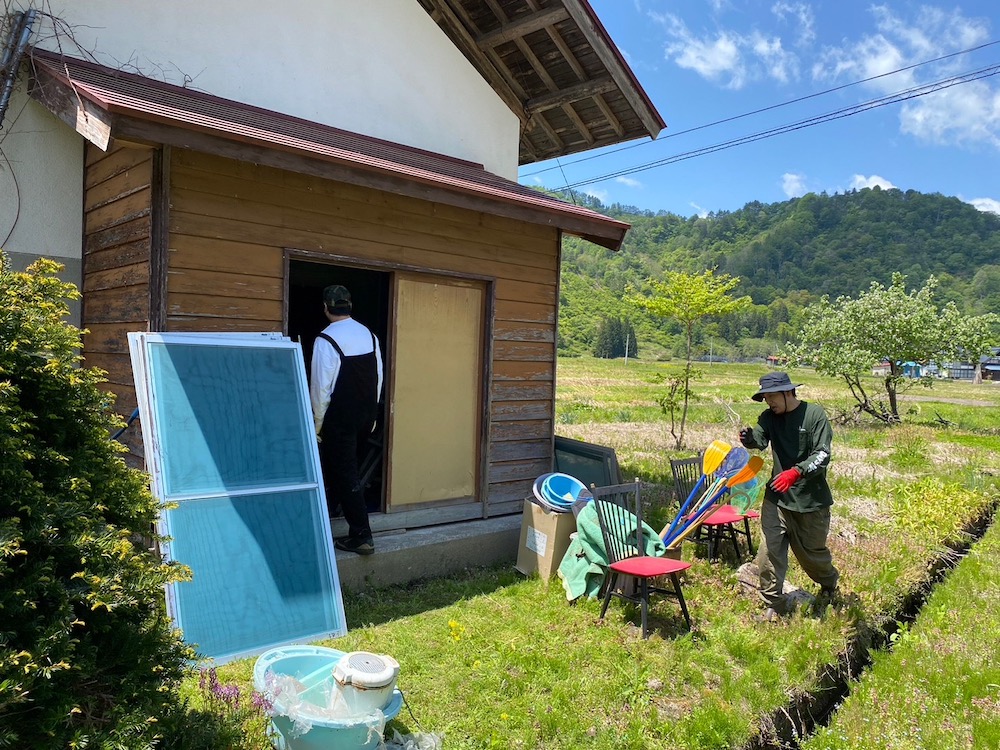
{"x": 88, "y": 656}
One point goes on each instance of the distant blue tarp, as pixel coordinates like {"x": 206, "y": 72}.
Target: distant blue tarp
{"x": 229, "y": 441}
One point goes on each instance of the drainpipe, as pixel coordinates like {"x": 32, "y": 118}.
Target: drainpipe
{"x": 12, "y": 54}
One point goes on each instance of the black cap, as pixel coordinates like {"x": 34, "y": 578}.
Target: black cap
{"x": 774, "y": 382}
{"x": 337, "y": 298}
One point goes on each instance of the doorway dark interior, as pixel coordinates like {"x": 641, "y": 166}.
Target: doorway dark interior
{"x": 370, "y": 296}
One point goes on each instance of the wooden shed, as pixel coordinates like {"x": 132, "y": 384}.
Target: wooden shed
{"x": 204, "y": 214}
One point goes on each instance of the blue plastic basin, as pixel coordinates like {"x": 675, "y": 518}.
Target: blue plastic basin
{"x": 313, "y": 667}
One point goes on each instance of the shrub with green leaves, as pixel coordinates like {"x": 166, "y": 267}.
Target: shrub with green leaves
{"x": 88, "y": 656}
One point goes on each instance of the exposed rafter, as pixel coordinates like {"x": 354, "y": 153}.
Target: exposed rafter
{"x": 555, "y": 66}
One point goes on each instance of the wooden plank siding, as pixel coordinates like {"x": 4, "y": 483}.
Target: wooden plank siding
{"x": 117, "y": 256}
{"x": 229, "y": 225}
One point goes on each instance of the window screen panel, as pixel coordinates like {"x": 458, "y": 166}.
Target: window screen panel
{"x": 229, "y": 418}
{"x": 258, "y": 571}
{"x": 229, "y": 440}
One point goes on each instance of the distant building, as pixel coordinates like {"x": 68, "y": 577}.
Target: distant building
{"x": 882, "y": 369}
{"x": 989, "y": 365}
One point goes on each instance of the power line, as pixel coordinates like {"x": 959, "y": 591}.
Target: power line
{"x": 763, "y": 109}
{"x": 897, "y": 97}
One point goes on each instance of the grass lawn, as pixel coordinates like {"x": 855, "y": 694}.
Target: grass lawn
{"x": 490, "y": 659}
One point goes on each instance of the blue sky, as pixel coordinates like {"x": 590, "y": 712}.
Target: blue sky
{"x": 702, "y": 61}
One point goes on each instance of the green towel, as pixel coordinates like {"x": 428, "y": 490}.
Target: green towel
{"x": 585, "y": 564}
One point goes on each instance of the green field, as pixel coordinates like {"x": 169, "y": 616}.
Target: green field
{"x": 491, "y": 660}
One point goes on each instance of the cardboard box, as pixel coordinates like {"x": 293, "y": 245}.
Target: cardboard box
{"x": 544, "y": 540}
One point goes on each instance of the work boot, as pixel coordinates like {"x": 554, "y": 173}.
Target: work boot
{"x": 355, "y": 544}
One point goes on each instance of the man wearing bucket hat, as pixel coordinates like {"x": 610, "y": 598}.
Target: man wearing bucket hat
{"x": 796, "y": 508}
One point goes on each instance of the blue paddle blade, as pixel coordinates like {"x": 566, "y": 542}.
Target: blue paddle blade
{"x": 735, "y": 460}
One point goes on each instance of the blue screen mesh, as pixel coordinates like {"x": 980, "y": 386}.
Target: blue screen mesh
{"x": 229, "y": 418}
{"x": 259, "y": 574}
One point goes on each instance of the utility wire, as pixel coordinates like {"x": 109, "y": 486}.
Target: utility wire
{"x": 764, "y": 109}
{"x": 899, "y": 96}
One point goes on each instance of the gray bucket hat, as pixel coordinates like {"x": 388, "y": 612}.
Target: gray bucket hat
{"x": 774, "y": 382}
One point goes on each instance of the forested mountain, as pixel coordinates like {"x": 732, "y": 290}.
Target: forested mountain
{"x": 787, "y": 255}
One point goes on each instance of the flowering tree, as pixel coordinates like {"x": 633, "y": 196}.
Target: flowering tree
{"x": 848, "y": 337}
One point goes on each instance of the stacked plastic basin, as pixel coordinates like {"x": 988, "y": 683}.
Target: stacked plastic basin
{"x": 560, "y": 493}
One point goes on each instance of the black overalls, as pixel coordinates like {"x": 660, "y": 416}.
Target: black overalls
{"x": 347, "y": 426}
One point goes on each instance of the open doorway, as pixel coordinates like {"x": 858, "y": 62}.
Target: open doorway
{"x": 370, "y": 294}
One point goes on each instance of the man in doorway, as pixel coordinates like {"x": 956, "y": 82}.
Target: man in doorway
{"x": 345, "y": 389}
{"x": 796, "y": 508}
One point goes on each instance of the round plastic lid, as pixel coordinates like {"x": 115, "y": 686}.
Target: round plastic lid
{"x": 366, "y": 670}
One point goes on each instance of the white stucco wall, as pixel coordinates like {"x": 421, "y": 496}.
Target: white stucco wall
{"x": 41, "y": 189}
{"x": 41, "y": 182}
{"x": 379, "y": 67}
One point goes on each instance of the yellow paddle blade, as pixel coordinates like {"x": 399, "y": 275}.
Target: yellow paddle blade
{"x": 714, "y": 454}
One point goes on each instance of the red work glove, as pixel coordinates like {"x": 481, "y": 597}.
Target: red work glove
{"x": 786, "y": 479}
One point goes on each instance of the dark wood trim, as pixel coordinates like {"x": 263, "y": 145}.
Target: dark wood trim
{"x": 159, "y": 240}
{"x": 486, "y": 398}
{"x": 286, "y": 278}
{"x": 555, "y": 358}
{"x": 588, "y": 25}
{"x": 292, "y": 253}
{"x": 523, "y": 26}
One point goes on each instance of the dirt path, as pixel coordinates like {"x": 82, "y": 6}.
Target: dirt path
{"x": 959, "y": 401}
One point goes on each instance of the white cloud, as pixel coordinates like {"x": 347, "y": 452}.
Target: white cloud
{"x": 733, "y": 58}
{"x": 859, "y": 182}
{"x": 801, "y": 13}
{"x": 960, "y": 115}
{"x": 601, "y": 195}
{"x": 779, "y": 64}
{"x": 628, "y": 182}
{"x": 992, "y": 205}
{"x": 701, "y": 212}
{"x": 963, "y": 114}
{"x": 793, "y": 184}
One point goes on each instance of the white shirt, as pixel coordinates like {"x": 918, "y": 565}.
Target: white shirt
{"x": 353, "y": 339}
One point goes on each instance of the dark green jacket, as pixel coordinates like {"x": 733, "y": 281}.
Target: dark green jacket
{"x": 801, "y": 438}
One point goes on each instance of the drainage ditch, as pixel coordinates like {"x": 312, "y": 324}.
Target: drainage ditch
{"x": 789, "y": 725}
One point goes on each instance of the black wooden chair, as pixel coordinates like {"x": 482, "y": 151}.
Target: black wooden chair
{"x": 725, "y": 524}
{"x": 619, "y": 512}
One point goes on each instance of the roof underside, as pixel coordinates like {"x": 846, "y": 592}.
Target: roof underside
{"x": 555, "y": 66}
{"x": 104, "y": 104}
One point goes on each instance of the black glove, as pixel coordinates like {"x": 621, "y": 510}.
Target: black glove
{"x": 746, "y": 437}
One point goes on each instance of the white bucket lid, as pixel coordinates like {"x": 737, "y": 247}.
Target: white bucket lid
{"x": 366, "y": 670}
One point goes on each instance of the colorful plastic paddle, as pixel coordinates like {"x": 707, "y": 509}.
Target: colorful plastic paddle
{"x": 744, "y": 475}
{"x": 736, "y": 470}
{"x": 745, "y": 496}
{"x": 733, "y": 470}
{"x": 715, "y": 454}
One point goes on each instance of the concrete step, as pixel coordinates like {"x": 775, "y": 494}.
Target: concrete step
{"x": 411, "y": 554}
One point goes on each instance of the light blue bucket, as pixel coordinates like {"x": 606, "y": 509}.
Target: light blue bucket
{"x": 313, "y": 666}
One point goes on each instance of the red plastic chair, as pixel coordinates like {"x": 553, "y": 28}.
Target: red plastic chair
{"x": 724, "y": 524}
{"x": 619, "y": 512}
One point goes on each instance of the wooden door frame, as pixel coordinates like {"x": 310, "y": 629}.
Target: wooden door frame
{"x": 443, "y": 513}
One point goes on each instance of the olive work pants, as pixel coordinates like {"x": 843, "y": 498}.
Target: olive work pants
{"x": 806, "y": 534}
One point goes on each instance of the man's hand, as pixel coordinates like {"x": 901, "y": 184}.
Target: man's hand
{"x": 786, "y": 479}
{"x": 746, "y": 437}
